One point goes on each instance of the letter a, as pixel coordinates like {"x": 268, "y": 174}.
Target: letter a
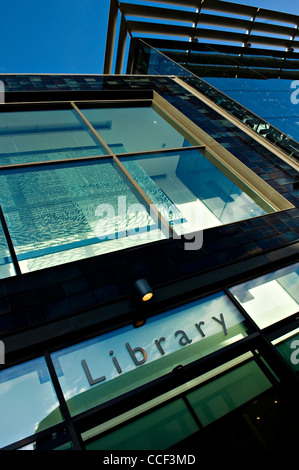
{"x": 184, "y": 340}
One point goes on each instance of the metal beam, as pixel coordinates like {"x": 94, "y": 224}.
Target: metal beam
{"x": 111, "y": 30}
{"x": 121, "y": 46}
{"x": 154, "y": 28}
{"x": 144, "y": 11}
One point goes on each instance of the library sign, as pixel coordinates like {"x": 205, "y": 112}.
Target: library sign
{"x": 173, "y": 338}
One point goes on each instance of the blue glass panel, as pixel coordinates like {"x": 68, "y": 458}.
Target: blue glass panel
{"x": 197, "y": 193}
{"x": 33, "y": 136}
{"x": 272, "y": 297}
{"x": 57, "y": 214}
{"x": 134, "y": 129}
{"x": 27, "y": 397}
{"x": 270, "y": 99}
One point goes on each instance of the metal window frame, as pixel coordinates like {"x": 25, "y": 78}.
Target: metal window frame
{"x": 200, "y": 140}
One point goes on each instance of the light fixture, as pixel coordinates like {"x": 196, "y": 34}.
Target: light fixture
{"x": 138, "y": 323}
{"x": 143, "y": 290}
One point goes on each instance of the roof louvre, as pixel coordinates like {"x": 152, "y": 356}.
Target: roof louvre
{"x": 204, "y": 20}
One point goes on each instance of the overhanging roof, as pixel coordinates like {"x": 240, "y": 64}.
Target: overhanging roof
{"x": 207, "y": 20}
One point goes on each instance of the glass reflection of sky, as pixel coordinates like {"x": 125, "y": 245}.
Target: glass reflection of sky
{"x": 96, "y": 351}
{"x": 26, "y": 397}
{"x": 280, "y": 288}
{"x": 134, "y": 129}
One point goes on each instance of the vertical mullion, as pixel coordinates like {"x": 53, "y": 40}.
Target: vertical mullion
{"x": 92, "y": 129}
{"x": 125, "y": 172}
{"x": 143, "y": 195}
{"x": 76, "y": 438}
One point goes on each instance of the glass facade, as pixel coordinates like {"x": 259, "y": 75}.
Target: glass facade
{"x": 65, "y": 210}
{"x": 37, "y": 136}
{"x": 270, "y": 99}
{"x": 134, "y": 129}
{"x": 280, "y": 127}
{"x": 95, "y": 372}
{"x": 204, "y": 408}
{"x": 195, "y": 193}
{"x": 131, "y": 358}
{"x": 45, "y": 234}
{"x": 280, "y": 288}
{"x": 27, "y": 396}
{"x": 199, "y": 373}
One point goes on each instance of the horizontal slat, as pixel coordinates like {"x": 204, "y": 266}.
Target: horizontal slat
{"x": 215, "y": 20}
{"x": 220, "y": 35}
{"x": 203, "y": 33}
{"x": 158, "y": 13}
{"x": 155, "y": 28}
{"x": 183, "y": 3}
{"x": 236, "y": 9}
{"x": 204, "y": 19}
{"x": 278, "y": 16}
{"x": 269, "y": 41}
{"x": 273, "y": 28}
{"x": 228, "y": 7}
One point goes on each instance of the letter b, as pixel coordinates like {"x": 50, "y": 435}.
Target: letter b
{"x": 132, "y": 352}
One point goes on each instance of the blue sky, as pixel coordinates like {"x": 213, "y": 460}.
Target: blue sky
{"x": 67, "y": 36}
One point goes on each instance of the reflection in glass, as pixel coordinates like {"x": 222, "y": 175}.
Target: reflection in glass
{"x": 272, "y": 297}
{"x": 228, "y": 392}
{"x": 134, "y": 129}
{"x": 99, "y": 369}
{"x": 160, "y": 429}
{"x": 57, "y": 214}
{"x": 270, "y": 99}
{"x": 35, "y": 136}
{"x": 27, "y": 396}
{"x": 192, "y": 192}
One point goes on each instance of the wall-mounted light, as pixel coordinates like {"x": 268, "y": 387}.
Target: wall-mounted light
{"x": 143, "y": 290}
{"x": 139, "y": 322}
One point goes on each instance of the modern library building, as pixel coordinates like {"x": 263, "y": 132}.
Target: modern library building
{"x": 149, "y": 257}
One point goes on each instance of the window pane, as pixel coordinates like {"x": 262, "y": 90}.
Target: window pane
{"x": 110, "y": 365}
{"x": 6, "y": 265}
{"x": 226, "y": 393}
{"x": 134, "y": 129}
{"x": 33, "y": 136}
{"x": 27, "y": 397}
{"x": 160, "y": 429}
{"x": 272, "y": 297}
{"x": 58, "y": 214}
{"x": 195, "y": 193}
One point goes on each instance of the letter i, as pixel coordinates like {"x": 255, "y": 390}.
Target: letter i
{"x": 116, "y": 363}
